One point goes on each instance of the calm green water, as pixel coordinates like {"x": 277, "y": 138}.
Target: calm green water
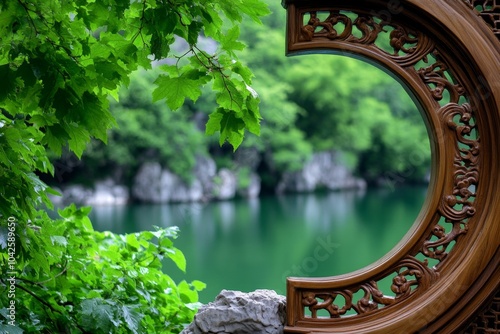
{"x": 255, "y": 244}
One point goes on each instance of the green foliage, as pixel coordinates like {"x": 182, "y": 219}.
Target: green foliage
{"x": 59, "y": 62}
{"x": 146, "y": 131}
{"x": 364, "y": 112}
{"x": 77, "y": 280}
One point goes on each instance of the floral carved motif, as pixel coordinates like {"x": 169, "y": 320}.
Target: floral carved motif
{"x": 417, "y": 54}
{"x": 409, "y": 274}
{"x": 340, "y": 27}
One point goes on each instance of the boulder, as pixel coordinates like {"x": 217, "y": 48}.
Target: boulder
{"x": 105, "y": 192}
{"x": 258, "y": 312}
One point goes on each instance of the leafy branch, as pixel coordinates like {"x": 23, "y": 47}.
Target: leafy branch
{"x": 50, "y": 306}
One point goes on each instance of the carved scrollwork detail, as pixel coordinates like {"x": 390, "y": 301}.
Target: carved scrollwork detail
{"x": 412, "y": 273}
{"x": 458, "y": 207}
{"x": 369, "y": 28}
{"x": 400, "y": 38}
{"x": 309, "y": 31}
{"x": 408, "y": 46}
{"x": 409, "y": 274}
{"x": 312, "y": 301}
{"x": 372, "y": 298}
{"x": 434, "y": 77}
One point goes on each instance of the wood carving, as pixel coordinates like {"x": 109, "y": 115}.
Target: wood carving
{"x": 452, "y": 82}
{"x": 489, "y": 10}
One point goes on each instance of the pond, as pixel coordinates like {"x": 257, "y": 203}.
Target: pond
{"x": 255, "y": 244}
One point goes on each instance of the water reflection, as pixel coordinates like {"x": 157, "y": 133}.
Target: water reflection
{"x": 251, "y": 244}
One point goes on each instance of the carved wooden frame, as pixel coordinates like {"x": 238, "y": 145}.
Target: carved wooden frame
{"x": 446, "y": 53}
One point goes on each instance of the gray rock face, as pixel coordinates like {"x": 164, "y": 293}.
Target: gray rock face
{"x": 253, "y": 189}
{"x": 225, "y": 188}
{"x": 108, "y": 193}
{"x": 76, "y": 194}
{"x": 323, "y": 171}
{"x": 105, "y": 192}
{"x": 147, "y": 185}
{"x": 205, "y": 170}
{"x": 156, "y": 185}
{"x": 258, "y": 312}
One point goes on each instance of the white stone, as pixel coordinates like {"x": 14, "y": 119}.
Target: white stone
{"x": 258, "y": 312}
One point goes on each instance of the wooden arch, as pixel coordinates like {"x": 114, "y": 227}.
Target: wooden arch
{"x": 444, "y": 275}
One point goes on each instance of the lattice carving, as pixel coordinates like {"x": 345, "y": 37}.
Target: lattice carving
{"x": 489, "y": 10}
{"x": 409, "y": 274}
{"x": 408, "y": 46}
{"x": 418, "y": 54}
{"x": 488, "y": 321}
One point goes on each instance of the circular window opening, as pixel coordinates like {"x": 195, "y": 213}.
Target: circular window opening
{"x": 371, "y": 161}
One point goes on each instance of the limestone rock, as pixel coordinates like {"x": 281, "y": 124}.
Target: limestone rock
{"x": 253, "y": 188}
{"x": 205, "y": 170}
{"x": 174, "y": 189}
{"x": 324, "y": 170}
{"x": 147, "y": 187}
{"x": 225, "y": 187}
{"x": 258, "y": 312}
{"x": 108, "y": 193}
{"x": 156, "y": 185}
{"x": 76, "y": 194}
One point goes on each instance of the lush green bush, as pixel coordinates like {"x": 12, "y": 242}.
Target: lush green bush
{"x": 77, "y": 280}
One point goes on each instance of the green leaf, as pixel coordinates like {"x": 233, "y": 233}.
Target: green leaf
{"x": 176, "y": 89}
{"x": 178, "y": 257}
{"x": 132, "y": 241}
{"x": 96, "y": 315}
{"x": 59, "y": 240}
{"x": 214, "y": 121}
{"x": 251, "y": 116}
{"x": 231, "y": 93}
{"x": 230, "y": 126}
{"x": 245, "y": 73}
{"x": 229, "y": 42}
{"x": 132, "y": 318}
{"x": 198, "y": 285}
{"x": 79, "y": 137}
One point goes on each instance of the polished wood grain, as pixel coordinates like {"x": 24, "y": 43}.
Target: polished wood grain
{"x": 445, "y": 273}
